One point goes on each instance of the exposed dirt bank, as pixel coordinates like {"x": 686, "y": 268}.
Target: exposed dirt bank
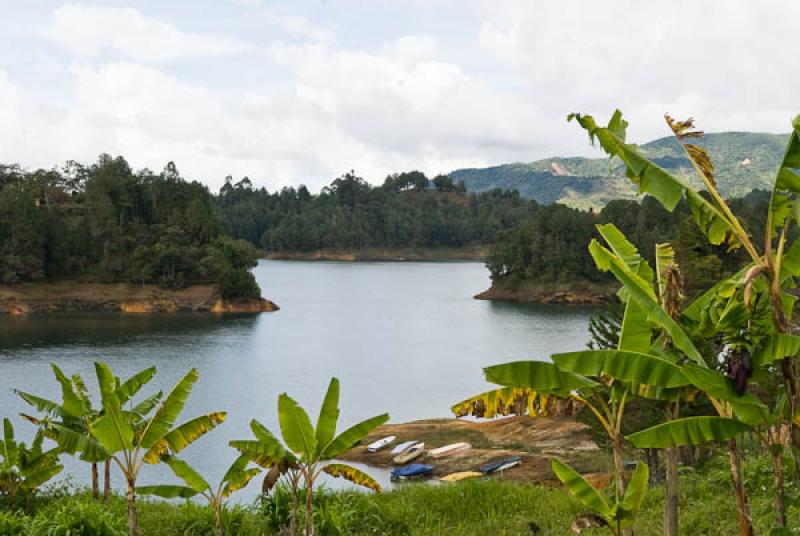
{"x": 477, "y": 253}
{"x": 536, "y": 440}
{"x": 120, "y": 297}
{"x": 575, "y": 294}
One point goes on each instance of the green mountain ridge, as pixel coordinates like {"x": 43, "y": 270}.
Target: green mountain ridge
{"x": 744, "y": 161}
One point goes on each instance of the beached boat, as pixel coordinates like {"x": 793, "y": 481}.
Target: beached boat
{"x": 501, "y": 465}
{"x": 449, "y": 450}
{"x": 379, "y": 444}
{"x": 415, "y": 470}
{"x": 403, "y": 446}
{"x": 413, "y": 452}
{"x": 463, "y": 475}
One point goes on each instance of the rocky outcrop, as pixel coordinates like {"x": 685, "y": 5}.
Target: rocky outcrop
{"x": 122, "y": 298}
{"x": 575, "y": 296}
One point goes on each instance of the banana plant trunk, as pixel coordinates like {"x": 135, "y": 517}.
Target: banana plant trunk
{"x": 218, "y": 518}
{"x": 789, "y": 366}
{"x": 780, "y": 507}
{"x": 95, "y": 482}
{"x": 133, "y": 524}
{"x": 619, "y": 466}
{"x": 310, "y": 506}
{"x": 293, "y": 519}
{"x": 742, "y": 508}
{"x": 671, "y": 498}
{"x": 107, "y": 482}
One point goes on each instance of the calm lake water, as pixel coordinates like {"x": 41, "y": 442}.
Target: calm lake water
{"x": 403, "y": 338}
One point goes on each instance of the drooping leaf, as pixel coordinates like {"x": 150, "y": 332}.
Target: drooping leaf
{"x": 328, "y": 416}
{"x": 166, "y": 491}
{"x": 186, "y": 473}
{"x": 340, "y": 470}
{"x": 776, "y": 347}
{"x": 579, "y": 488}
{"x": 184, "y": 435}
{"x": 687, "y": 431}
{"x": 539, "y": 376}
{"x": 515, "y": 401}
{"x": 624, "y": 366}
{"x": 296, "y": 428}
{"x": 238, "y": 476}
{"x": 169, "y": 410}
{"x": 350, "y": 437}
{"x": 70, "y": 401}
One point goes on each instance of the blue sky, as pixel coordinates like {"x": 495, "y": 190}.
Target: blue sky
{"x": 302, "y": 91}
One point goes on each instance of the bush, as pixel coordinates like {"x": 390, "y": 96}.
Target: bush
{"x": 13, "y": 524}
{"x": 74, "y": 517}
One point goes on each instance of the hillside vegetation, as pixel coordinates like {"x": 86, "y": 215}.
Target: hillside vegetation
{"x": 744, "y": 161}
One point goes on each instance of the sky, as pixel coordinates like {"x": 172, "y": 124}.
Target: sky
{"x": 302, "y": 91}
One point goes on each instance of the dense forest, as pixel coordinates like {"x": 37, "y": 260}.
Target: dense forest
{"x": 106, "y": 223}
{"x": 407, "y": 211}
{"x": 550, "y": 245}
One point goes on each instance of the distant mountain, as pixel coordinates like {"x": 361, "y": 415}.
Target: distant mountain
{"x": 743, "y": 161}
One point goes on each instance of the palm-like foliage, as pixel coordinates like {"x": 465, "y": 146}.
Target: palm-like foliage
{"x": 308, "y": 449}
{"x": 236, "y": 477}
{"x": 69, "y": 423}
{"x": 24, "y": 469}
{"x": 133, "y": 438}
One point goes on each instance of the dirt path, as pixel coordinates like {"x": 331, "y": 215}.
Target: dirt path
{"x": 536, "y": 440}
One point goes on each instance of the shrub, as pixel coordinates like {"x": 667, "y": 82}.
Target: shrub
{"x": 74, "y": 517}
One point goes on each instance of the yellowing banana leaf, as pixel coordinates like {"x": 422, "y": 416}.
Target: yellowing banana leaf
{"x": 539, "y": 376}
{"x": 622, "y": 365}
{"x": 166, "y": 491}
{"x": 579, "y": 488}
{"x": 328, "y": 416}
{"x": 183, "y": 436}
{"x": 350, "y": 437}
{"x": 340, "y": 470}
{"x": 515, "y": 401}
{"x": 687, "y": 431}
{"x": 238, "y": 476}
{"x": 168, "y": 411}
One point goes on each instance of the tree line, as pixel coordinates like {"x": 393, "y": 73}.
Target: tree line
{"x": 106, "y": 223}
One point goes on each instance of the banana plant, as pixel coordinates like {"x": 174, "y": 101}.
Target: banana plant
{"x": 771, "y": 271}
{"x": 24, "y": 469}
{"x": 309, "y": 450}
{"x": 619, "y": 515}
{"x": 132, "y": 439}
{"x": 68, "y": 423}
{"x": 236, "y": 477}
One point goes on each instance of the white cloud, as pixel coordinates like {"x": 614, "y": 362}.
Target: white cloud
{"x": 89, "y": 30}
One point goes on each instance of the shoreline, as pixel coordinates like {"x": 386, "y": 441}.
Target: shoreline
{"x": 562, "y": 294}
{"x": 124, "y": 298}
{"x": 475, "y": 253}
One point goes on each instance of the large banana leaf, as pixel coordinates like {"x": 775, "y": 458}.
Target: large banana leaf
{"x": 266, "y": 450}
{"x": 350, "y": 437}
{"x": 296, "y": 428}
{"x": 635, "y": 333}
{"x": 653, "y": 180}
{"x": 622, "y": 365}
{"x": 111, "y": 430}
{"x": 238, "y": 476}
{"x": 133, "y": 385}
{"x": 340, "y": 470}
{"x": 46, "y": 468}
{"x": 167, "y": 491}
{"x": 328, "y": 416}
{"x": 143, "y": 408}
{"x": 184, "y": 435}
{"x": 719, "y": 386}
{"x": 539, "y": 376}
{"x": 71, "y": 403}
{"x": 72, "y": 441}
{"x": 776, "y": 347}
{"x": 787, "y": 182}
{"x": 687, "y": 431}
{"x": 186, "y": 473}
{"x": 631, "y": 502}
{"x": 42, "y": 404}
{"x": 581, "y": 489}
{"x": 169, "y": 410}
{"x": 627, "y": 252}
{"x": 641, "y": 292}
{"x": 514, "y": 401}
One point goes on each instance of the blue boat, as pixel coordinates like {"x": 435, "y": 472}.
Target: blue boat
{"x": 505, "y": 463}
{"x": 412, "y": 471}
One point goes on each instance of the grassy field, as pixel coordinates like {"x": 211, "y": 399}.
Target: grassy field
{"x": 469, "y": 508}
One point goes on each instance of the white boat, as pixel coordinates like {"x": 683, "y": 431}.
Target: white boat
{"x": 508, "y": 465}
{"x": 449, "y": 450}
{"x": 412, "y": 453}
{"x": 379, "y": 444}
{"x": 403, "y": 446}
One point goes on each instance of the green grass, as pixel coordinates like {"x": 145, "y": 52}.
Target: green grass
{"x": 469, "y": 508}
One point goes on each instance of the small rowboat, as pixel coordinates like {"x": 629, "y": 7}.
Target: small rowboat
{"x": 414, "y": 452}
{"x": 463, "y": 475}
{"x": 379, "y": 444}
{"x": 449, "y": 450}
{"x": 501, "y": 465}
{"x": 415, "y": 470}
{"x": 403, "y": 446}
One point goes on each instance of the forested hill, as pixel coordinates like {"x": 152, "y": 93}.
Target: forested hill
{"x": 744, "y": 161}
